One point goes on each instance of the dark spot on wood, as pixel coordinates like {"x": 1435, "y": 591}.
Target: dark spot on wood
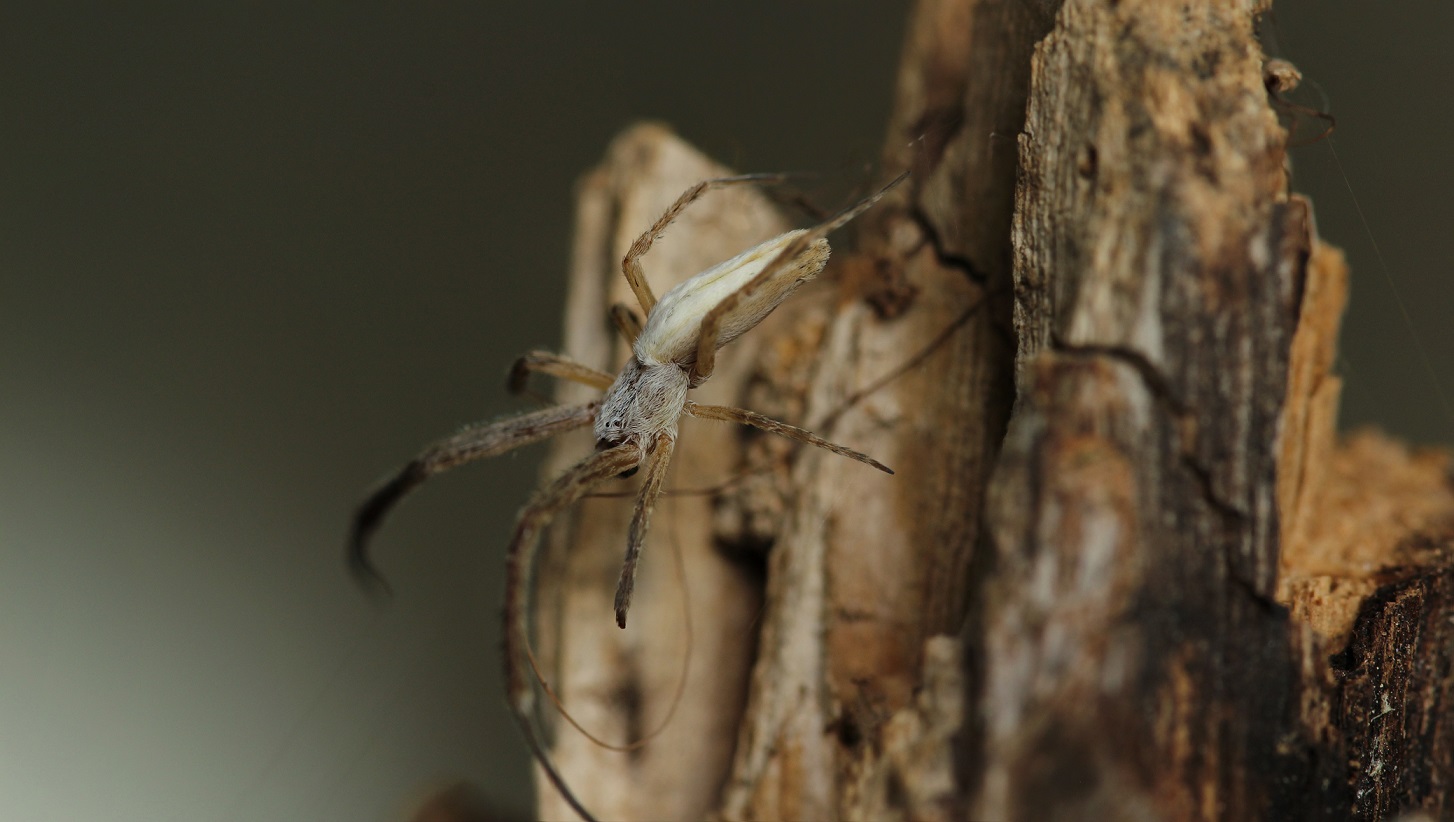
{"x": 1063, "y": 775}
{"x": 845, "y": 727}
{"x": 630, "y": 698}
{"x": 896, "y": 795}
{"x": 747, "y": 553}
{"x": 1344, "y": 662}
{"x": 1089, "y": 161}
{"x": 1201, "y": 141}
{"x": 1206, "y": 64}
{"x": 1201, "y": 145}
{"x": 877, "y": 281}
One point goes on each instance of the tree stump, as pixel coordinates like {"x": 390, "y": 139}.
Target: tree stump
{"x": 1126, "y": 570}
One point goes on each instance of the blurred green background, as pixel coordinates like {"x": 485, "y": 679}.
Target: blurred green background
{"x": 253, "y": 257}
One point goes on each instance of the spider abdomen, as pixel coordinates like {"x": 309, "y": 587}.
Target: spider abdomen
{"x": 675, "y": 322}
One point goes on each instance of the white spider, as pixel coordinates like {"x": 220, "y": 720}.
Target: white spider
{"x": 635, "y": 422}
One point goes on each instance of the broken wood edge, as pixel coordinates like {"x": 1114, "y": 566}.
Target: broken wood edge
{"x": 1092, "y": 362}
{"x": 1367, "y": 576}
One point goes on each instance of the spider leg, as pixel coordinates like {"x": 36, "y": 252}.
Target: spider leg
{"x": 520, "y": 572}
{"x": 473, "y": 443}
{"x": 626, "y": 322}
{"x": 555, "y": 365}
{"x": 712, "y": 322}
{"x": 656, "y": 464}
{"x": 756, "y": 420}
{"x": 631, "y": 264}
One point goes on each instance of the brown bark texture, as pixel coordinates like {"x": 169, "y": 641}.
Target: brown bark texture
{"x": 1125, "y": 570}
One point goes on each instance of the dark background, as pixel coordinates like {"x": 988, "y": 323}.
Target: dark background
{"x": 253, "y": 258}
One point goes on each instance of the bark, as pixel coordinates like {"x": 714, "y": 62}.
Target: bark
{"x": 1125, "y": 569}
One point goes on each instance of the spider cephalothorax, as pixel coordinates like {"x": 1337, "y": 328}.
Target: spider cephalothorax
{"x": 643, "y": 401}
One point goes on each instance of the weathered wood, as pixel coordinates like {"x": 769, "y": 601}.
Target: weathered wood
{"x": 1369, "y": 581}
{"x": 1129, "y": 622}
{"x": 1176, "y": 318}
{"x": 1173, "y": 594}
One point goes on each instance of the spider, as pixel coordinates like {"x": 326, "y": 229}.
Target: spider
{"x": 635, "y": 421}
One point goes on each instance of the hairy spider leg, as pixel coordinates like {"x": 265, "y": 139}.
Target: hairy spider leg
{"x": 520, "y": 571}
{"x": 475, "y": 442}
{"x": 782, "y": 429}
{"x": 631, "y": 263}
{"x": 626, "y": 322}
{"x": 707, "y": 340}
{"x": 558, "y": 366}
{"x": 656, "y": 466}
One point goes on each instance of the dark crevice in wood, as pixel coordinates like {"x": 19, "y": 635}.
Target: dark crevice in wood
{"x": 946, "y": 258}
{"x": 1157, "y": 383}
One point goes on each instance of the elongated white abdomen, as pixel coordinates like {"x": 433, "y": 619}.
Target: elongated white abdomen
{"x": 671, "y": 330}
